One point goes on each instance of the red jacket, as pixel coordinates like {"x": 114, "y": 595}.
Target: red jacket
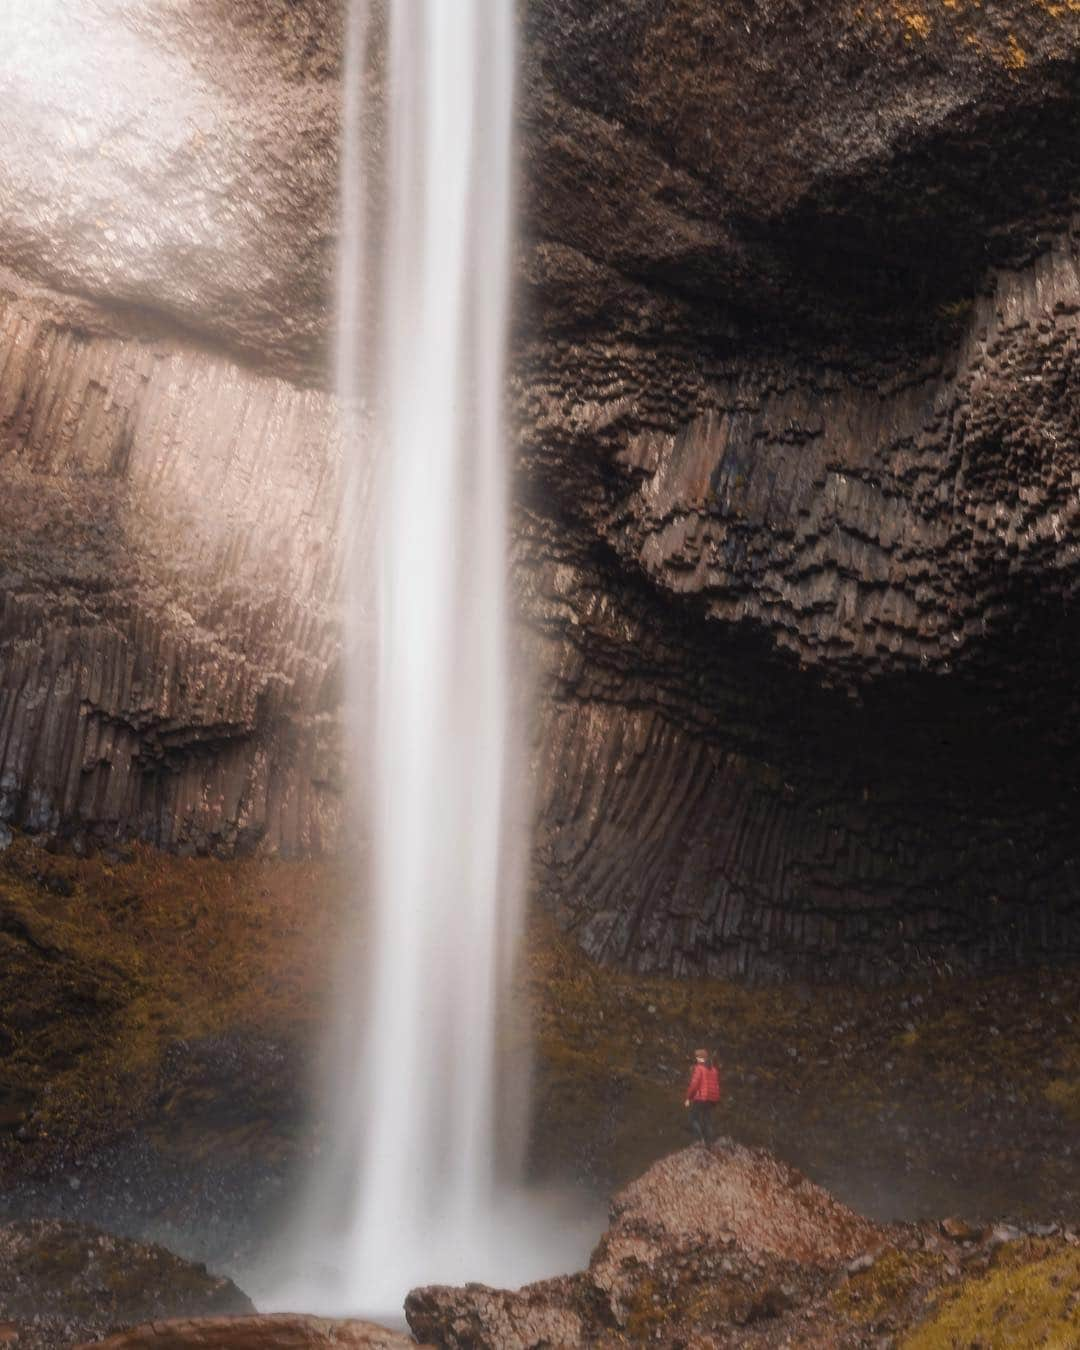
{"x": 704, "y": 1084}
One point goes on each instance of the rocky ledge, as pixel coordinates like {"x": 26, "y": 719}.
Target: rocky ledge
{"x": 729, "y": 1247}
{"x": 65, "y": 1284}
{"x": 61, "y": 1283}
{"x": 277, "y": 1332}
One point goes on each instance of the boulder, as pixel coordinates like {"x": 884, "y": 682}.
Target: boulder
{"x": 730, "y": 1247}
{"x": 281, "y": 1331}
{"x": 62, "y": 1282}
{"x": 706, "y": 1239}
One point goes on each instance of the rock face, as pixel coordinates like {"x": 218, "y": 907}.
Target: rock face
{"x": 168, "y": 632}
{"x": 211, "y": 203}
{"x": 846, "y": 736}
{"x": 802, "y": 171}
{"x": 61, "y": 1283}
{"x": 797, "y": 535}
{"x": 802, "y": 543}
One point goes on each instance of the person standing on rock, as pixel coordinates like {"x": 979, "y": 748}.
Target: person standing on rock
{"x": 702, "y": 1095}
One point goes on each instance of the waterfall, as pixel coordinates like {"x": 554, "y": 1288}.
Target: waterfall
{"x": 427, "y": 1119}
{"x": 407, "y": 1190}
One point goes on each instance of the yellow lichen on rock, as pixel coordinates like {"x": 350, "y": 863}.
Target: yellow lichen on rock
{"x": 1023, "y": 1303}
{"x": 915, "y": 25}
{"x": 1057, "y": 9}
{"x": 1015, "y": 56}
{"x": 896, "y": 1275}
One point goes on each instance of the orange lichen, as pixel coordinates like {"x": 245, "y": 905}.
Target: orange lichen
{"x": 916, "y": 25}
{"x": 1015, "y": 56}
{"x": 1058, "y": 8}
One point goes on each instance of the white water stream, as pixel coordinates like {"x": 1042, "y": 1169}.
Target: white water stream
{"x": 408, "y": 1191}
{"x": 427, "y": 1116}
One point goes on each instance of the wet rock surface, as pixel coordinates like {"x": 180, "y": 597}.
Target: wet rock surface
{"x": 211, "y": 204}
{"x": 727, "y": 1247}
{"x": 63, "y": 1283}
{"x": 278, "y": 1332}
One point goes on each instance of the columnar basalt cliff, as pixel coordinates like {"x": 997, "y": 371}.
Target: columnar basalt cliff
{"x": 168, "y": 637}
{"x": 871, "y": 755}
{"x": 799, "y": 298}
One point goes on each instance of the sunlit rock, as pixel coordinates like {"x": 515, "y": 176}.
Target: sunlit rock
{"x": 276, "y": 1332}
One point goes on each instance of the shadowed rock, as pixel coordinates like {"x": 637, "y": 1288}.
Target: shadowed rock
{"x": 62, "y": 1282}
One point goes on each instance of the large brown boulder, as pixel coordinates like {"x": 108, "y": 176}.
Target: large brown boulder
{"x": 731, "y": 1249}
{"x": 705, "y": 1239}
{"x": 280, "y": 1331}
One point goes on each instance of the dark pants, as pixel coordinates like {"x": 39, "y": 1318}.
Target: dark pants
{"x": 701, "y": 1120}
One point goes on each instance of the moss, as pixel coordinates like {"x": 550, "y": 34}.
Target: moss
{"x": 852, "y": 1085}
{"x": 1064, "y": 1093}
{"x": 648, "y": 1312}
{"x": 1022, "y": 1303}
{"x": 886, "y": 1285}
{"x": 707, "y": 1304}
{"x": 105, "y": 965}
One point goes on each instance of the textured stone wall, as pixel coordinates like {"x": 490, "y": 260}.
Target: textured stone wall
{"x": 770, "y": 829}
{"x": 797, "y": 539}
{"x": 169, "y": 642}
{"x": 178, "y": 157}
{"x": 869, "y": 523}
{"x": 812, "y": 658}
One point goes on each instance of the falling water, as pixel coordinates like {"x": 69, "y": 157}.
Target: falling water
{"x": 440, "y": 745}
{"x": 407, "y": 1191}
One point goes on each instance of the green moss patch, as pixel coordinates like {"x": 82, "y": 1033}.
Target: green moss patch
{"x": 888, "y": 1285}
{"x": 1022, "y": 1303}
{"x": 105, "y": 965}
{"x": 937, "y": 1097}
